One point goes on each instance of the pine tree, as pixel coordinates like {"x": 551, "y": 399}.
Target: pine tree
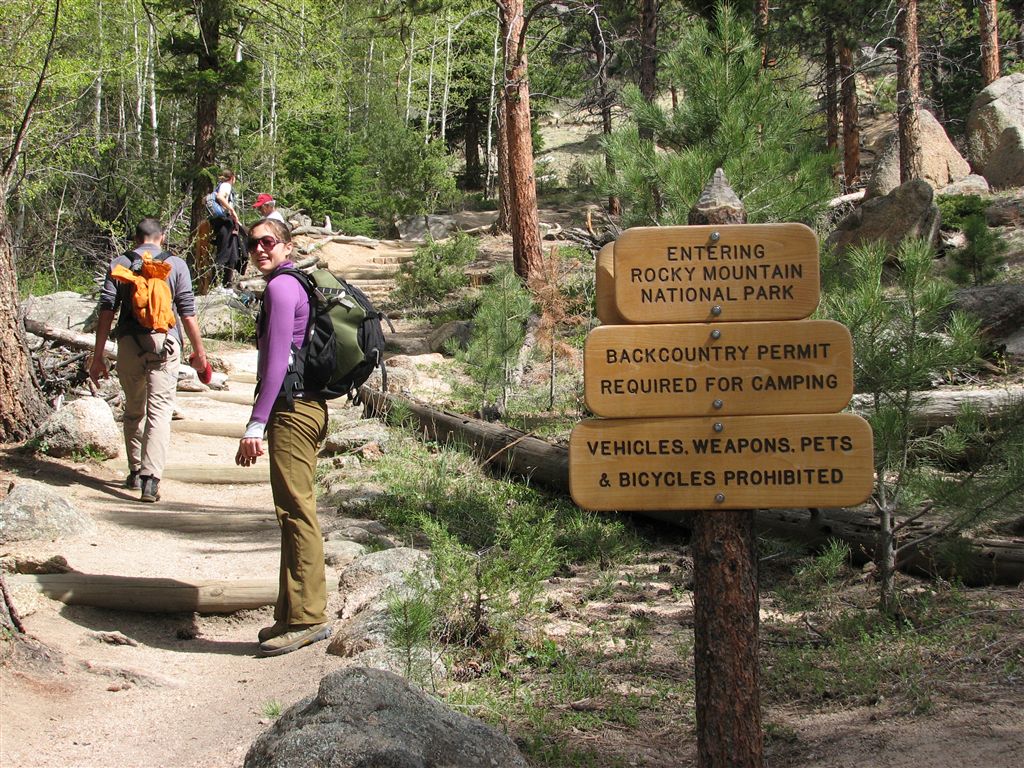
{"x": 733, "y": 114}
{"x": 979, "y": 261}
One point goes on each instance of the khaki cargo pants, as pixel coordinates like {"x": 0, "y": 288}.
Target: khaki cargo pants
{"x": 149, "y": 381}
{"x": 294, "y": 438}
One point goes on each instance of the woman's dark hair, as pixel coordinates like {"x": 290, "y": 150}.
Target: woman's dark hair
{"x": 281, "y": 230}
{"x": 226, "y": 174}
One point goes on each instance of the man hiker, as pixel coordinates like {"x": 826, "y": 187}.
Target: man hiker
{"x": 267, "y": 206}
{"x": 147, "y": 359}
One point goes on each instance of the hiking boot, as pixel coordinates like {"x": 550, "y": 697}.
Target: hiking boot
{"x": 132, "y": 482}
{"x": 299, "y": 635}
{"x": 150, "y": 488}
{"x": 278, "y": 628}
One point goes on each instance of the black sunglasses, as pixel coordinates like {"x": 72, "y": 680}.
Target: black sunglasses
{"x": 269, "y": 243}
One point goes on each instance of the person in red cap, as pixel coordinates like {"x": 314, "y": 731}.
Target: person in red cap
{"x": 267, "y": 207}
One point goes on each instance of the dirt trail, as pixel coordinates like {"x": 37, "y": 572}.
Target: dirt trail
{"x": 192, "y": 691}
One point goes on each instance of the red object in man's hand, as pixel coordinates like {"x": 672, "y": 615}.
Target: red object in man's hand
{"x": 206, "y": 374}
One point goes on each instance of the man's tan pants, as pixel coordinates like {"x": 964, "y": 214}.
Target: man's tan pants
{"x": 295, "y": 438}
{"x": 149, "y": 382}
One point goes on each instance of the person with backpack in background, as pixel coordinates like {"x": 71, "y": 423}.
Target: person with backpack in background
{"x": 149, "y": 341}
{"x": 226, "y": 230}
{"x": 295, "y": 424}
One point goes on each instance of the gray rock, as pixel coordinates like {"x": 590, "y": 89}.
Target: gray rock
{"x": 907, "y": 211}
{"x": 1005, "y": 166}
{"x": 416, "y": 227}
{"x": 972, "y": 184}
{"x": 367, "y": 717}
{"x": 65, "y": 310}
{"x": 999, "y": 307}
{"x": 460, "y": 330}
{"x": 940, "y": 161}
{"x": 33, "y": 511}
{"x": 223, "y": 316}
{"x": 339, "y": 553}
{"x": 372, "y": 575}
{"x": 81, "y": 426}
{"x": 1006, "y": 212}
{"x": 355, "y": 436}
{"x": 399, "y": 380}
{"x": 998, "y": 107}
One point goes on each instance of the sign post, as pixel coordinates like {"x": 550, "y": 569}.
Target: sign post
{"x": 720, "y": 397}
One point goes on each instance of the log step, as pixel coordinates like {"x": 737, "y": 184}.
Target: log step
{"x": 155, "y": 595}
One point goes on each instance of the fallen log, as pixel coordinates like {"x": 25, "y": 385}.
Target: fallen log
{"x": 155, "y": 595}
{"x": 990, "y": 561}
{"x": 68, "y": 338}
{"x": 940, "y": 408}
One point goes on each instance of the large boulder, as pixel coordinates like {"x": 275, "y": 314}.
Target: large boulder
{"x": 368, "y": 717}
{"x": 972, "y": 184}
{"x": 34, "y": 511}
{"x": 82, "y": 427}
{"x": 1000, "y": 310}
{"x": 941, "y": 163}
{"x": 417, "y": 228}
{"x": 371, "y": 576}
{"x": 1005, "y": 166}
{"x": 907, "y": 211}
{"x": 65, "y": 310}
{"x": 998, "y": 107}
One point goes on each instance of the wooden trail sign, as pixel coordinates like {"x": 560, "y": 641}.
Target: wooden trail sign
{"x": 739, "y": 462}
{"x": 737, "y": 369}
{"x": 716, "y": 273}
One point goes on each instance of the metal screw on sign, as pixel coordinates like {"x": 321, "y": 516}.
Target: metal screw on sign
{"x": 716, "y": 310}
{"x": 716, "y": 334}
{"x": 717, "y": 404}
{"x": 715, "y": 236}
{"x": 719, "y": 497}
{"x": 719, "y": 426}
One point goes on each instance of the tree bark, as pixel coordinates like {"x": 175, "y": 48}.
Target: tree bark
{"x": 648, "y": 57}
{"x": 526, "y": 245}
{"x": 988, "y": 29}
{"x": 908, "y": 90}
{"x": 851, "y": 118}
{"x": 725, "y": 620}
{"x": 503, "y": 224}
{"x": 207, "y": 103}
{"x": 761, "y": 15}
{"x": 23, "y": 408}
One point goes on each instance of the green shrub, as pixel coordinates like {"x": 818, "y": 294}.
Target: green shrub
{"x": 436, "y": 270}
{"x": 979, "y": 261}
{"x": 956, "y": 209}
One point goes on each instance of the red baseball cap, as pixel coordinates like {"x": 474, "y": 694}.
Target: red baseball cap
{"x": 263, "y": 199}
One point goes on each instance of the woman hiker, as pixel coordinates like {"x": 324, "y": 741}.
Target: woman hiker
{"x": 294, "y": 427}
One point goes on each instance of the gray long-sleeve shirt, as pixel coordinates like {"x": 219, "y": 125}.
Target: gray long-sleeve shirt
{"x": 114, "y": 294}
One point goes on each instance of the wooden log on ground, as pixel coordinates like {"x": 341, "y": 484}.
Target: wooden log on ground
{"x": 941, "y": 407}
{"x": 155, "y": 595}
{"x": 991, "y": 561}
{"x": 68, "y": 338}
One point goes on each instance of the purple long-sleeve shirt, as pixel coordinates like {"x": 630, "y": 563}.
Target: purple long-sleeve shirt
{"x": 286, "y": 307}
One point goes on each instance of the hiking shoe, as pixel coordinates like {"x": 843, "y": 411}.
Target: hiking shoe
{"x": 150, "y": 488}
{"x": 278, "y": 628}
{"x": 132, "y": 482}
{"x": 299, "y": 635}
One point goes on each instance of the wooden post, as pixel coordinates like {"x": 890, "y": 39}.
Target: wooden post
{"x": 725, "y": 593}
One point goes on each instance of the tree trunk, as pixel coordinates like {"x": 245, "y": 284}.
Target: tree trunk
{"x": 725, "y": 620}
{"x": 908, "y": 91}
{"x": 851, "y": 118}
{"x": 988, "y": 29}
{"x": 648, "y": 57}
{"x": 207, "y": 103}
{"x": 23, "y": 407}
{"x": 831, "y": 91}
{"x": 473, "y": 179}
{"x": 526, "y": 246}
{"x": 761, "y": 15}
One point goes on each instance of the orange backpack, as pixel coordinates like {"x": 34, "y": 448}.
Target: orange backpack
{"x": 151, "y": 300}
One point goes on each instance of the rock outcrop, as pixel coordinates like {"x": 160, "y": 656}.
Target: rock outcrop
{"x": 941, "y": 162}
